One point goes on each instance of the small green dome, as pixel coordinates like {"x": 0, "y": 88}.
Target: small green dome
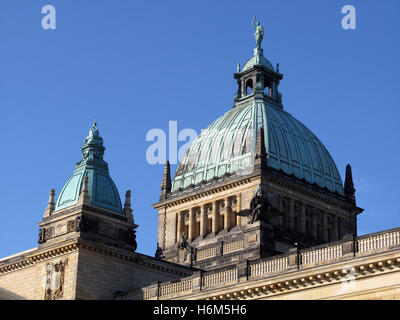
{"x": 227, "y": 147}
{"x": 101, "y": 189}
{"x": 258, "y": 59}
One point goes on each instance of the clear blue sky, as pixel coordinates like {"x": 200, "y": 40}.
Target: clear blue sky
{"x": 134, "y": 66}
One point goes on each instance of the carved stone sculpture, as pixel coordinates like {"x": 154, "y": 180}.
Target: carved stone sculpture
{"x": 54, "y": 285}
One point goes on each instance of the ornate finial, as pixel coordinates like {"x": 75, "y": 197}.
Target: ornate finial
{"x": 259, "y": 34}
{"x": 94, "y": 131}
{"x": 84, "y": 196}
{"x": 128, "y": 199}
{"x": 349, "y": 190}
{"x": 261, "y": 154}
{"x": 93, "y": 149}
{"x": 127, "y": 206}
{"x": 166, "y": 182}
{"x": 238, "y": 67}
{"x": 277, "y": 68}
{"x": 50, "y": 205}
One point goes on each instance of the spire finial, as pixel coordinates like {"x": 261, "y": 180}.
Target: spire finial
{"x": 166, "y": 182}
{"x": 93, "y": 149}
{"x": 50, "y": 205}
{"x": 94, "y": 131}
{"x": 84, "y": 196}
{"x": 349, "y": 190}
{"x": 127, "y": 206}
{"x": 261, "y": 154}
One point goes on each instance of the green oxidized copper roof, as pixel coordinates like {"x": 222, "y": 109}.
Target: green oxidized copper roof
{"x": 101, "y": 189}
{"x": 228, "y": 145}
{"x": 258, "y": 59}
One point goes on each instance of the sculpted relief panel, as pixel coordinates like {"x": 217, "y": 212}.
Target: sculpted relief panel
{"x": 54, "y": 282}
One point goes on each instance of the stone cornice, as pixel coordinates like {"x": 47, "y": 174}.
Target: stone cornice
{"x": 198, "y": 194}
{"x": 26, "y": 260}
{"x": 140, "y": 259}
{"x": 277, "y": 177}
{"x": 310, "y": 190}
{"x": 78, "y": 208}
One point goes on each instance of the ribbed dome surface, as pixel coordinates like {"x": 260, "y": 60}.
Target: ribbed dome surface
{"x": 258, "y": 60}
{"x": 228, "y": 146}
{"x": 101, "y": 189}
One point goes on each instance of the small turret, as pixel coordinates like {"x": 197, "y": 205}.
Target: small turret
{"x": 166, "y": 182}
{"x": 349, "y": 190}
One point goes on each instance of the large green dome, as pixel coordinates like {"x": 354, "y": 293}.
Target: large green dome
{"x": 101, "y": 189}
{"x": 227, "y": 147}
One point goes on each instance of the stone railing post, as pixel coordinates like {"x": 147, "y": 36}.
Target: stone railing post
{"x": 220, "y": 248}
{"x": 197, "y": 281}
{"x": 294, "y": 258}
{"x": 155, "y": 291}
{"x": 349, "y": 245}
{"x": 243, "y": 270}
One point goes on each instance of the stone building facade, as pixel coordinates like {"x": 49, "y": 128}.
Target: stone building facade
{"x": 256, "y": 210}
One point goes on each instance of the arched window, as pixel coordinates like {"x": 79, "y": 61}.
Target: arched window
{"x": 249, "y": 87}
{"x": 268, "y": 88}
{"x": 268, "y": 91}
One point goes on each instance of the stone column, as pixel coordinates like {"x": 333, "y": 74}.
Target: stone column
{"x": 180, "y": 226}
{"x": 238, "y": 208}
{"x": 281, "y": 224}
{"x": 227, "y": 205}
{"x": 313, "y": 223}
{"x": 325, "y": 226}
{"x": 335, "y": 232}
{"x": 191, "y": 223}
{"x": 215, "y": 217}
{"x": 302, "y": 222}
{"x": 203, "y": 220}
{"x": 291, "y": 225}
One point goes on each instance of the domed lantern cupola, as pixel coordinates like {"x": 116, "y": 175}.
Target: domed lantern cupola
{"x": 258, "y": 79}
{"x": 89, "y": 207}
{"x": 102, "y": 191}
